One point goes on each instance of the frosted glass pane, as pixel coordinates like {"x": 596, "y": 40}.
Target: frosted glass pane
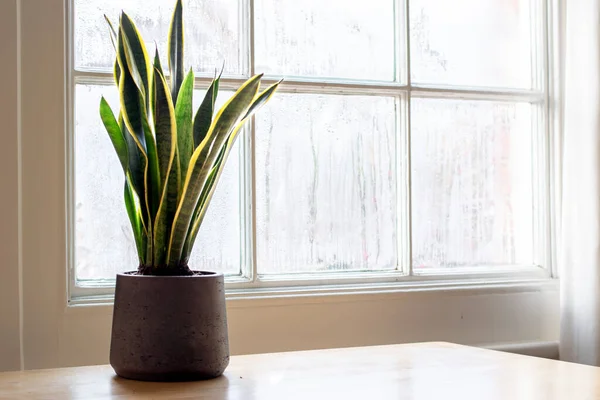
{"x": 472, "y": 201}
{"x": 325, "y": 186}
{"x": 471, "y": 42}
{"x": 333, "y": 38}
{"x": 212, "y": 30}
{"x": 103, "y": 240}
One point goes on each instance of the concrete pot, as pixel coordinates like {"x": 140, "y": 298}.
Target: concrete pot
{"x": 169, "y": 328}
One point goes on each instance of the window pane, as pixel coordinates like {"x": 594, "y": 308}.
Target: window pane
{"x": 334, "y": 38}
{"x": 212, "y": 29}
{"x": 104, "y": 242}
{"x": 471, "y": 42}
{"x": 472, "y": 198}
{"x": 326, "y": 190}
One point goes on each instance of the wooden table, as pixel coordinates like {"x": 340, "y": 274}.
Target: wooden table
{"x": 417, "y": 371}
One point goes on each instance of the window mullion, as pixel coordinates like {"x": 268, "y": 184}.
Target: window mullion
{"x": 539, "y": 39}
{"x": 250, "y": 159}
{"x": 405, "y": 4}
{"x": 70, "y": 125}
{"x": 401, "y": 47}
{"x": 405, "y": 150}
{"x": 403, "y": 179}
{"x": 291, "y": 85}
{"x": 511, "y": 95}
{"x": 251, "y": 40}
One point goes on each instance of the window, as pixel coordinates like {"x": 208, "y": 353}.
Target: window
{"x": 410, "y": 139}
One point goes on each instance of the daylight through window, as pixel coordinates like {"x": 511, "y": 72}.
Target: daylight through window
{"x": 409, "y": 137}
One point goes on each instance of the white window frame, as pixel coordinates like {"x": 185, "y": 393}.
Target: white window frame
{"x": 251, "y": 283}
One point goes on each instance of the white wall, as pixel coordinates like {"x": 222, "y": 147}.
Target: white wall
{"x": 488, "y": 317}
{"x": 9, "y": 226}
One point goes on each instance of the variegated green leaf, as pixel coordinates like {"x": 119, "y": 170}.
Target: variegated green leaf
{"x": 153, "y": 182}
{"x": 114, "y": 132}
{"x": 157, "y": 63}
{"x": 183, "y": 116}
{"x": 165, "y": 125}
{"x": 175, "y": 49}
{"x": 206, "y": 195}
{"x": 139, "y": 61}
{"x": 132, "y": 205}
{"x": 149, "y": 247}
{"x": 215, "y": 174}
{"x": 114, "y": 41}
{"x": 205, "y": 112}
{"x": 172, "y": 159}
{"x": 262, "y": 99}
{"x": 136, "y": 169}
{"x": 113, "y": 32}
{"x": 173, "y": 185}
{"x": 117, "y": 73}
{"x": 158, "y": 66}
{"x": 135, "y": 120}
{"x": 203, "y": 160}
{"x": 132, "y": 105}
{"x": 166, "y": 139}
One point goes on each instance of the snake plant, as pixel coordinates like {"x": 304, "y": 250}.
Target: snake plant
{"x": 172, "y": 158}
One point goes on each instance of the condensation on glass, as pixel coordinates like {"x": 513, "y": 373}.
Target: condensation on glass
{"x": 471, "y": 42}
{"x": 326, "y": 39}
{"x": 213, "y": 32}
{"x": 326, "y": 184}
{"x": 472, "y": 199}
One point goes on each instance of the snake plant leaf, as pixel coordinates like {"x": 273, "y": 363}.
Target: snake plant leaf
{"x": 206, "y": 195}
{"x": 165, "y": 124}
{"x": 132, "y": 205}
{"x": 183, "y": 115}
{"x": 215, "y": 174}
{"x": 172, "y": 159}
{"x": 132, "y": 111}
{"x": 153, "y": 183}
{"x": 149, "y": 247}
{"x": 132, "y": 104}
{"x": 175, "y": 50}
{"x": 136, "y": 49}
{"x": 205, "y": 112}
{"x": 117, "y": 73}
{"x": 113, "y": 32}
{"x": 174, "y": 179}
{"x": 114, "y": 132}
{"x": 262, "y": 99}
{"x": 166, "y": 140}
{"x": 173, "y": 186}
{"x": 136, "y": 170}
{"x": 135, "y": 121}
{"x": 157, "y": 64}
{"x": 202, "y": 162}
{"x": 114, "y": 41}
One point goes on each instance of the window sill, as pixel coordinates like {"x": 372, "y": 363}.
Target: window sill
{"x": 240, "y": 294}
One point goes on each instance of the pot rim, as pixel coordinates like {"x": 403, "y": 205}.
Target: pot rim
{"x": 203, "y": 274}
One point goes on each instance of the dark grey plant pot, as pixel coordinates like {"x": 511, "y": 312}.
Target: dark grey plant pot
{"x": 169, "y": 328}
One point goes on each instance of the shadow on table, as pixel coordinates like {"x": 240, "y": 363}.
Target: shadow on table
{"x": 217, "y": 388}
